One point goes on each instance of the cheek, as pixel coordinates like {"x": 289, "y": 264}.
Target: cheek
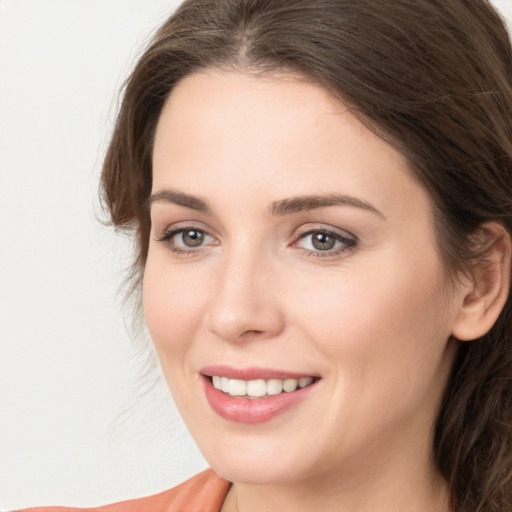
{"x": 391, "y": 326}
{"x": 173, "y": 306}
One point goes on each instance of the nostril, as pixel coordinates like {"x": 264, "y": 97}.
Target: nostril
{"x": 251, "y": 332}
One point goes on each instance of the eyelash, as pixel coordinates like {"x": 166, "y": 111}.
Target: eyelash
{"x": 347, "y": 241}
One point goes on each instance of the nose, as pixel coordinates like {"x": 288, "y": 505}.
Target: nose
{"x": 244, "y": 304}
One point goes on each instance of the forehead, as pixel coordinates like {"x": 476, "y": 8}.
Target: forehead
{"x": 220, "y": 132}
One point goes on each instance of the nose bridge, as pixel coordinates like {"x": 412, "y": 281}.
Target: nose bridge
{"x": 241, "y": 306}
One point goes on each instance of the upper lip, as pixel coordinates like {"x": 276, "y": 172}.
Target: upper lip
{"x": 252, "y": 373}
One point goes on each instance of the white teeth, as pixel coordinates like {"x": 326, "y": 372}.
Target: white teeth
{"x": 290, "y": 385}
{"x": 259, "y": 388}
{"x": 237, "y": 387}
{"x": 274, "y": 387}
{"x": 305, "y": 381}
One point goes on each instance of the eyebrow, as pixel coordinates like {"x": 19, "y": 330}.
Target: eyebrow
{"x": 277, "y": 208}
{"x": 304, "y": 203}
{"x": 181, "y": 199}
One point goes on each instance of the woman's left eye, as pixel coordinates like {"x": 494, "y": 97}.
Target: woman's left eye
{"x": 322, "y": 242}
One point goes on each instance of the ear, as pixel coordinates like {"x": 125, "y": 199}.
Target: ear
{"x": 488, "y": 287}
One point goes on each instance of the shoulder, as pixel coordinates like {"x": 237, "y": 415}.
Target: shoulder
{"x": 204, "y": 492}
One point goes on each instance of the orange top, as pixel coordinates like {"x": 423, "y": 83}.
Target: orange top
{"x": 204, "y": 492}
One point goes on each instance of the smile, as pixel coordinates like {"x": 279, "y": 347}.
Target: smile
{"x": 254, "y": 396}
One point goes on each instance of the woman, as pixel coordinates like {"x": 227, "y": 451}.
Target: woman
{"x": 320, "y": 192}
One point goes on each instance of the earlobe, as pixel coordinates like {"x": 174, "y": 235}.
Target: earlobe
{"x": 490, "y": 283}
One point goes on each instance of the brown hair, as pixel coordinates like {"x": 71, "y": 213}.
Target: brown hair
{"x": 434, "y": 78}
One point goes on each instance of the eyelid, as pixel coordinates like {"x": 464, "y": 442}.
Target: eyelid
{"x": 171, "y": 233}
{"x": 312, "y": 227}
{"x": 182, "y": 225}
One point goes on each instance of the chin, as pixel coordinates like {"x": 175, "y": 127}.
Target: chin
{"x": 255, "y": 461}
{"x": 259, "y": 472}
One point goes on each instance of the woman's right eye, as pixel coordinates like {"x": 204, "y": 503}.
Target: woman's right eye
{"x": 186, "y": 240}
{"x": 190, "y": 237}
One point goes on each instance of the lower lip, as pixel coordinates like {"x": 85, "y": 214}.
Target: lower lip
{"x": 251, "y": 411}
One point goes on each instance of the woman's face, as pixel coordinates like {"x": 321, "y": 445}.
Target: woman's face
{"x": 291, "y": 247}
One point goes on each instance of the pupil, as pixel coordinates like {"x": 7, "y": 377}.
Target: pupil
{"x": 193, "y": 238}
{"x": 323, "y": 242}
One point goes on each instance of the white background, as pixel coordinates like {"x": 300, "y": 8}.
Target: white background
{"x": 68, "y": 368}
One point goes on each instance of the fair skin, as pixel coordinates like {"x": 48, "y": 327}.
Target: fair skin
{"x": 346, "y": 287}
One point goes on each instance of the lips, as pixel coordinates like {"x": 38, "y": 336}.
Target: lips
{"x": 254, "y": 395}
